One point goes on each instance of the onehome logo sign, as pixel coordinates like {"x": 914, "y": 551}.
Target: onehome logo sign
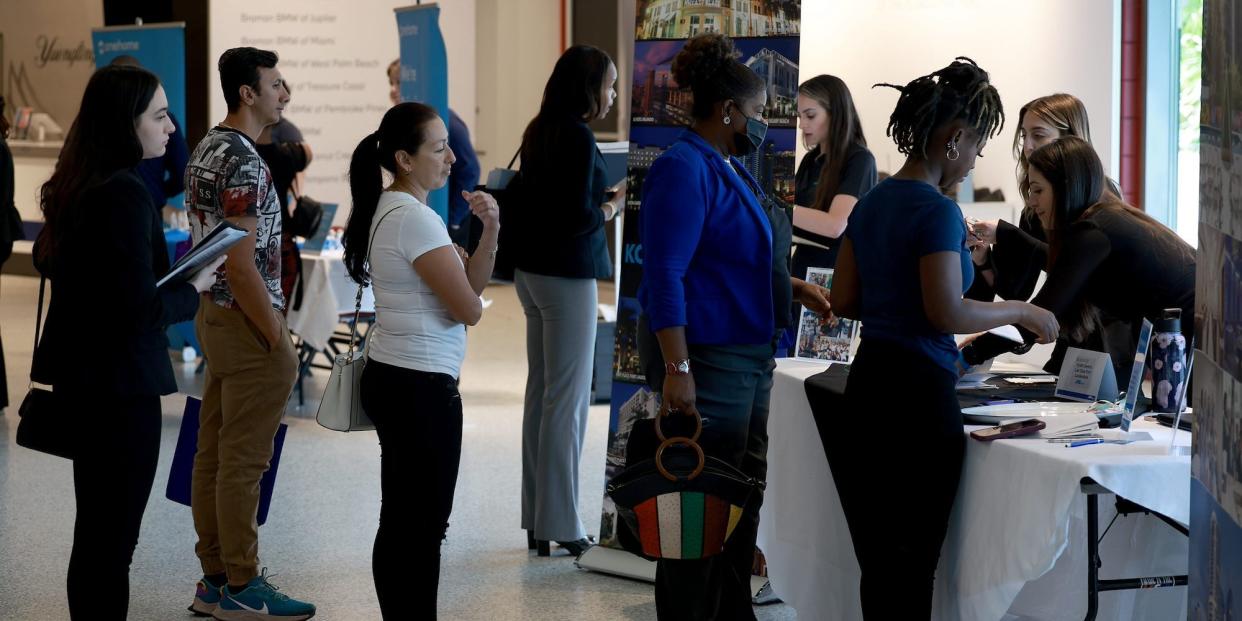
{"x": 108, "y": 47}
{"x": 408, "y": 31}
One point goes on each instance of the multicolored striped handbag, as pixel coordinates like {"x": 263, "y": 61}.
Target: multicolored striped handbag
{"x": 681, "y": 504}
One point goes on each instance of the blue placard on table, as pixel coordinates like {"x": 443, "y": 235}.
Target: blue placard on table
{"x": 424, "y": 72}
{"x": 314, "y": 243}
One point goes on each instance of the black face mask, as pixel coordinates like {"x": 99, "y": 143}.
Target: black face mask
{"x": 745, "y": 144}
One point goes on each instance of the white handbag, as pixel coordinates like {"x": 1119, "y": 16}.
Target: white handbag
{"x": 340, "y": 409}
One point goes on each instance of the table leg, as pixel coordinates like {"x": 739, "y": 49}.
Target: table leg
{"x": 1093, "y": 556}
{"x": 1094, "y": 584}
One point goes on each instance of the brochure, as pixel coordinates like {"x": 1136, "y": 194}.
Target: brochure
{"x": 824, "y": 338}
{"x": 215, "y": 243}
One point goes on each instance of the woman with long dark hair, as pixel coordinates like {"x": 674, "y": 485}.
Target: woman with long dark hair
{"x": 837, "y": 170}
{"x": 902, "y": 270}
{"x": 102, "y": 249}
{"x": 1010, "y": 258}
{"x": 559, "y": 250}
{"x": 1103, "y": 255}
{"x": 425, "y": 296}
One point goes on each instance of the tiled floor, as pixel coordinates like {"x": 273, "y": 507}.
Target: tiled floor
{"x": 319, "y": 533}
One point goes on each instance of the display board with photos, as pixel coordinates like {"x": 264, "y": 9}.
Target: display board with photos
{"x": 1216, "y": 454}
{"x": 827, "y": 338}
{"x": 765, "y": 34}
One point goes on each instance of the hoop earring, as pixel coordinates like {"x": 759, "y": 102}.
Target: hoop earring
{"x": 951, "y": 152}
{"x": 727, "y": 120}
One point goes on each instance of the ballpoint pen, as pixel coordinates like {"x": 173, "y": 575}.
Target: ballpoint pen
{"x": 1085, "y": 442}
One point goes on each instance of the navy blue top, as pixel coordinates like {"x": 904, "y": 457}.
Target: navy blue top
{"x": 464, "y": 174}
{"x": 891, "y": 228}
{"x": 706, "y": 247}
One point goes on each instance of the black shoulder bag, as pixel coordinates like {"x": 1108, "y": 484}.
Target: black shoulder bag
{"x": 43, "y": 426}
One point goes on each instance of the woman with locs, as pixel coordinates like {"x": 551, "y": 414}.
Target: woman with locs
{"x": 902, "y": 270}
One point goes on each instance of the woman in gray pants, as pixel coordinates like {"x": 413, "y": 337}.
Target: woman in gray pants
{"x": 559, "y": 250}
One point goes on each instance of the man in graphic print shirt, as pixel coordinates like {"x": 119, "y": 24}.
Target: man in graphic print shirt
{"x": 251, "y": 364}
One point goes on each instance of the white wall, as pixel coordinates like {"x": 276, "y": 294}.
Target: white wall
{"x": 1029, "y": 48}
{"x": 337, "y": 104}
{"x": 518, "y": 44}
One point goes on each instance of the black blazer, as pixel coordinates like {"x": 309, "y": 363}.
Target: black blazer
{"x": 10, "y": 220}
{"x": 104, "y": 327}
{"x": 556, "y": 228}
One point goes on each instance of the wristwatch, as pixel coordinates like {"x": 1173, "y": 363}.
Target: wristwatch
{"x": 678, "y": 367}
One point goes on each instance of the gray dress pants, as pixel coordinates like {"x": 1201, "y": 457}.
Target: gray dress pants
{"x": 560, "y": 351}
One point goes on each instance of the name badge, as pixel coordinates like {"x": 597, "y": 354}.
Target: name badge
{"x": 1087, "y": 376}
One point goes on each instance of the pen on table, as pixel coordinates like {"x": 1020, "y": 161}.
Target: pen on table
{"x": 1085, "y": 442}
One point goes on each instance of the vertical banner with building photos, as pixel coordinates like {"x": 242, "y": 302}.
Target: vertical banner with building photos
{"x": 765, "y": 34}
{"x": 1216, "y": 462}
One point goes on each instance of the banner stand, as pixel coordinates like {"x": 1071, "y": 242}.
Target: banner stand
{"x": 424, "y": 71}
{"x": 621, "y": 563}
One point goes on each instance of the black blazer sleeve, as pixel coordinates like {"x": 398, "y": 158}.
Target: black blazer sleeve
{"x": 10, "y": 220}
{"x": 1085, "y": 248}
{"x": 132, "y": 240}
{"x": 1018, "y": 257}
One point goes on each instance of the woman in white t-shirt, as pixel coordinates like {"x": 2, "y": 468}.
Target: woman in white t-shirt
{"x": 426, "y": 293}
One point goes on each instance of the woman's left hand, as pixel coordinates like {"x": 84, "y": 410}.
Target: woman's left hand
{"x": 484, "y": 206}
{"x": 813, "y": 297}
{"x": 461, "y": 252}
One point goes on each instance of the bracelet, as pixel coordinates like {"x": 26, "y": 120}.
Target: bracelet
{"x": 491, "y": 254}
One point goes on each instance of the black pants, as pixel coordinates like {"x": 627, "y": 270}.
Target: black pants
{"x": 418, "y": 418}
{"x": 4, "y": 381}
{"x": 733, "y": 386}
{"x": 118, "y": 447}
{"x": 897, "y": 490}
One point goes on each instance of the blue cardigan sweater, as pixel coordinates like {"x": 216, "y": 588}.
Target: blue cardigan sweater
{"x": 707, "y": 248}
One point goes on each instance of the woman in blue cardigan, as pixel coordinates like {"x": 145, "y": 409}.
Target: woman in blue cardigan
{"x": 716, "y": 293}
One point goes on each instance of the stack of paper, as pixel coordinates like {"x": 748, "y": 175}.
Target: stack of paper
{"x": 1066, "y": 425}
{"x": 974, "y": 381}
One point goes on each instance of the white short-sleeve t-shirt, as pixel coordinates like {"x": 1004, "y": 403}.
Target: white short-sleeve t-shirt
{"x": 413, "y": 328}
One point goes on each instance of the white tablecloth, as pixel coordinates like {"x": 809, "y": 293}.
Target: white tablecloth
{"x": 328, "y": 292}
{"x": 1016, "y": 547}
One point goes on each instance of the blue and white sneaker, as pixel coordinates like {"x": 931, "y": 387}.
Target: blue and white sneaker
{"x": 206, "y": 598}
{"x": 261, "y": 601}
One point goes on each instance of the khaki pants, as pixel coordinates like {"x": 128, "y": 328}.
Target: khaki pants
{"x": 244, "y": 396}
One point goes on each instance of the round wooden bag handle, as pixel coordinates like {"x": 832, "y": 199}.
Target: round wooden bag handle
{"x": 684, "y": 441}
{"x": 698, "y": 427}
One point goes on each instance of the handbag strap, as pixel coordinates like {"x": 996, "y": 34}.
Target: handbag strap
{"x": 39, "y": 313}
{"x": 353, "y": 333}
{"x": 514, "y": 158}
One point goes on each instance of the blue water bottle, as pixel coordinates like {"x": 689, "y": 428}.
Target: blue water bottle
{"x": 1168, "y": 362}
